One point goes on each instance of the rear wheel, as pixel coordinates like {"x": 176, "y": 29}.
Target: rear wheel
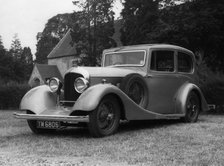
{"x": 192, "y": 108}
{"x": 104, "y": 120}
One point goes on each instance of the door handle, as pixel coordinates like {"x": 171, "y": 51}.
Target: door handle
{"x": 149, "y": 76}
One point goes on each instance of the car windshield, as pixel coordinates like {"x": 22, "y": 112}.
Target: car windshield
{"x": 127, "y": 58}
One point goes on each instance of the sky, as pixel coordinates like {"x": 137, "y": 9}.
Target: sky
{"x": 28, "y": 17}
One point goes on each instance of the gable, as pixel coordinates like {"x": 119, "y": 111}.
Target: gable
{"x": 48, "y": 71}
{"x": 35, "y": 75}
{"x": 63, "y": 48}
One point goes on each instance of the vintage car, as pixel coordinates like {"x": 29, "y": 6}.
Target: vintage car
{"x": 141, "y": 82}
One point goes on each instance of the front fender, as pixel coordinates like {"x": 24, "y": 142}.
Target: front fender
{"x": 182, "y": 95}
{"x": 90, "y": 99}
{"x": 38, "y": 99}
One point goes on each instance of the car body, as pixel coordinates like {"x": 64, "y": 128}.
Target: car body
{"x": 141, "y": 82}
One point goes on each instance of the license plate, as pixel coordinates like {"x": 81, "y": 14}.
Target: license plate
{"x": 48, "y": 124}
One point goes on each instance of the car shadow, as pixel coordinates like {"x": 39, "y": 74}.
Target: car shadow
{"x": 125, "y": 126}
{"x": 146, "y": 124}
{"x": 82, "y": 132}
{"x": 76, "y": 132}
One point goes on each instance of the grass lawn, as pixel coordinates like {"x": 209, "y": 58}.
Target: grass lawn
{"x": 167, "y": 142}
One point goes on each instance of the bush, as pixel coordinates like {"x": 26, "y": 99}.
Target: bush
{"x": 213, "y": 90}
{"x": 211, "y": 84}
{"x": 11, "y": 94}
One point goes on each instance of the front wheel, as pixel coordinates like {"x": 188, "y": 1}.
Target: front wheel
{"x": 33, "y": 126}
{"x": 104, "y": 120}
{"x": 192, "y": 107}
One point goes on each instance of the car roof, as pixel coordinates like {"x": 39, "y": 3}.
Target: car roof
{"x": 146, "y": 46}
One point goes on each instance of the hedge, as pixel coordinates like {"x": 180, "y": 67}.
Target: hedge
{"x": 213, "y": 90}
{"x": 11, "y": 94}
{"x": 211, "y": 84}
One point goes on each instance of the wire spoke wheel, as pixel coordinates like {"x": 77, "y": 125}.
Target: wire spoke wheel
{"x": 136, "y": 93}
{"x": 104, "y": 120}
{"x": 135, "y": 87}
{"x": 105, "y": 115}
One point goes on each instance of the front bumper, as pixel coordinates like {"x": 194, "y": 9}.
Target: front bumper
{"x": 52, "y": 117}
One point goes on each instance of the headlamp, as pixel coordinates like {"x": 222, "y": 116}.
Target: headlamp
{"x": 55, "y": 84}
{"x": 80, "y": 84}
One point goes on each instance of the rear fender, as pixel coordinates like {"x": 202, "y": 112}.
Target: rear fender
{"x": 182, "y": 95}
{"x": 89, "y": 100}
{"x": 38, "y": 99}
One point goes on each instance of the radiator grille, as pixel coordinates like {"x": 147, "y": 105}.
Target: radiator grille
{"x": 69, "y": 90}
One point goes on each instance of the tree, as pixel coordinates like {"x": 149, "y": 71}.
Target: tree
{"x": 197, "y": 25}
{"x": 16, "y": 64}
{"x": 54, "y": 30}
{"x": 6, "y": 64}
{"x": 27, "y": 56}
{"x": 16, "y": 49}
{"x": 2, "y": 49}
{"x": 27, "y": 62}
{"x": 93, "y": 29}
{"x": 139, "y": 19}
{"x": 1, "y": 44}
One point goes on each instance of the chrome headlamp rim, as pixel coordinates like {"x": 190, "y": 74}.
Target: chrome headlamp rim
{"x": 54, "y": 84}
{"x": 85, "y": 84}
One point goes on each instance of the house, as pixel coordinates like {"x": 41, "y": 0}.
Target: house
{"x": 42, "y": 72}
{"x": 59, "y": 61}
{"x": 61, "y": 58}
{"x": 63, "y": 54}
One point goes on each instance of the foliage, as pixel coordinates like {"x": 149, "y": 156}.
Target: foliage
{"x": 54, "y": 30}
{"x": 27, "y": 56}
{"x": 93, "y": 29}
{"x": 195, "y": 24}
{"x": 211, "y": 84}
{"x": 16, "y": 48}
{"x": 15, "y": 64}
{"x": 1, "y": 46}
{"x": 139, "y": 18}
{"x": 11, "y": 94}
{"x": 6, "y": 65}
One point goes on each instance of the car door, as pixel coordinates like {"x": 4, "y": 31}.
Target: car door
{"x": 185, "y": 67}
{"x": 162, "y": 81}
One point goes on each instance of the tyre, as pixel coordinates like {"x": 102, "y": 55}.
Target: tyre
{"x": 192, "y": 107}
{"x": 33, "y": 126}
{"x": 135, "y": 87}
{"x": 104, "y": 120}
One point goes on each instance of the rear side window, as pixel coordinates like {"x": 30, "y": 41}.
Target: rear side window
{"x": 185, "y": 63}
{"x": 162, "y": 61}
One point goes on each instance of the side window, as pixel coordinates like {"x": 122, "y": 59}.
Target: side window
{"x": 162, "y": 61}
{"x": 185, "y": 63}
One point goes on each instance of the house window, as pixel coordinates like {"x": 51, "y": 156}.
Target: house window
{"x": 36, "y": 82}
{"x": 162, "y": 61}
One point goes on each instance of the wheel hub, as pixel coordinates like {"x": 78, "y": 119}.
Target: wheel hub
{"x": 106, "y": 116}
{"x": 194, "y": 108}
